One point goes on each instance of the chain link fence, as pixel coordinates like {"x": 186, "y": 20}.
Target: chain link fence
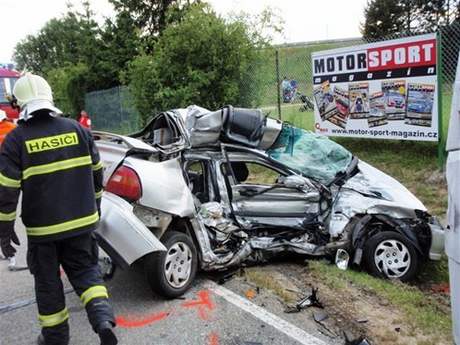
{"x": 112, "y": 110}
{"x": 284, "y": 86}
{"x": 267, "y": 83}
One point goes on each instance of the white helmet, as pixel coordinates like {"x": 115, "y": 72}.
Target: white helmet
{"x": 33, "y": 93}
{"x": 2, "y": 115}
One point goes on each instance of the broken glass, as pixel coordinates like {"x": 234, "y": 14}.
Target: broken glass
{"x": 313, "y": 155}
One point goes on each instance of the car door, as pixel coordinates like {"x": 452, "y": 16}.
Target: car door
{"x": 260, "y": 199}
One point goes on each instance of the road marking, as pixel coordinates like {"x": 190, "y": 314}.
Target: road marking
{"x": 130, "y": 322}
{"x": 278, "y": 323}
{"x": 203, "y": 304}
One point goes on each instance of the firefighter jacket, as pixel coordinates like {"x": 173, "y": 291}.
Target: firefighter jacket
{"x": 56, "y": 165}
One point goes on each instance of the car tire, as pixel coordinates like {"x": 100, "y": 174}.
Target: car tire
{"x": 171, "y": 273}
{"x": 390, "y": 255}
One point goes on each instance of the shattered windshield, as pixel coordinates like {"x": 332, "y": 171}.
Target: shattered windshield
{"x": 314, "y": 155}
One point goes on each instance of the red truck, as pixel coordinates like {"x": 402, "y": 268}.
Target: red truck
{"x": 8, "y": 78}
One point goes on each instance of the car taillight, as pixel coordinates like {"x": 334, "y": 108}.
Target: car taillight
{"x": 125, "y": 183}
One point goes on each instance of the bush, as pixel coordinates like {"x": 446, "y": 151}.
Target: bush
{"x": 69, "y": 86}
{"x": 202, "y": 60}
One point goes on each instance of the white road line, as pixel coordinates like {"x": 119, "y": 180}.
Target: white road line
{"x": 278, "y": 323}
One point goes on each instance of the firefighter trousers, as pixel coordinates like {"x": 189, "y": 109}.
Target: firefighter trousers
{"x": 78, "y": 257}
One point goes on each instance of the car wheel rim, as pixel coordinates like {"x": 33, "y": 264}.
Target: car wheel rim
{"x": 178, "y": 265}
{"x": 392, "y": 258}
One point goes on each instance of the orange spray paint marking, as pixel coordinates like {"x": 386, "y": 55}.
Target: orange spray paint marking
{"x": 126, "y": 322}
{"x": 213, "y": 339}
{"x": 203, "y": 304}
{"x": 250, "y": 294}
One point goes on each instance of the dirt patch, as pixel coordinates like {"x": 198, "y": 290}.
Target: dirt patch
{"x": 356, "y": 310}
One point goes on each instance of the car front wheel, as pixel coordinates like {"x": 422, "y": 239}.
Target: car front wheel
{"x": 171, "y": 273}
{"x": 389, "y": 254}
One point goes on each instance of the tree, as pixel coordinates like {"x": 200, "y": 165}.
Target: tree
{"x": 434, "y": 13}
{"x": 86, "y": 56}
{"x": 202, "y": 60}
{"x": 119, "y": 43}
{"x": 70, "y": 39}
{"x": 383, "y": 17}
{"x": 386, "y": 17}
{"x": 151, "y": 17}
{"x": 69, "y": 84}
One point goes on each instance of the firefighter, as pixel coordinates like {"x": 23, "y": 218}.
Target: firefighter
{"x": 84, "y": 119}
{"x": 5, "y": 126}
{"x": 55, "y": 163}
{"x": 7, "y": 249}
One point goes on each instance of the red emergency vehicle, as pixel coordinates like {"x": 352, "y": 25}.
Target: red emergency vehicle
{"x": 8, "y": 78}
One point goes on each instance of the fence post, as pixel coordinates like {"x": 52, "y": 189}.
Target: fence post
{"x": 441, "y": 151}
{"x": 278, "y": 85}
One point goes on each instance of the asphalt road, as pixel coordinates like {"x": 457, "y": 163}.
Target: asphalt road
{"x": 209, "y": 314}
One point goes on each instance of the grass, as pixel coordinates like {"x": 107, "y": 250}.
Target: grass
{"x": 420, "y": 311}
{"x": 262, "y": 279}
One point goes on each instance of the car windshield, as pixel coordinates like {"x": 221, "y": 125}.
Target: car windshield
{"x": 313, "y": 155}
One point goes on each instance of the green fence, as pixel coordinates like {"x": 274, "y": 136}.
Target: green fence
{"x": 112, "y": 110}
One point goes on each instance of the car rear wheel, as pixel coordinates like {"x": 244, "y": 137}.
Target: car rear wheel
{"x": 171, "y": 273}
{"x": 390, "y": 255}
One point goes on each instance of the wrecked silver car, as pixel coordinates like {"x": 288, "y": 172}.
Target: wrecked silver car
{"x": 206, "y": 190}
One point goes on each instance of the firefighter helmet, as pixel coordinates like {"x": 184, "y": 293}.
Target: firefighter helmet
{"x": 33, "y": 93}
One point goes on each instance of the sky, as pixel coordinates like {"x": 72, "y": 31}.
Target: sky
{"x": 304, "y": 20}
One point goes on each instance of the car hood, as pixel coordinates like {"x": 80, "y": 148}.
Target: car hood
{"x": 382, "y": 189}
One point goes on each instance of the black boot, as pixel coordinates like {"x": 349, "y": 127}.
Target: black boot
{"x": 106, "y": 334}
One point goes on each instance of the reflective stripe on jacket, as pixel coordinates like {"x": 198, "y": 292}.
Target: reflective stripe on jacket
{"x": 55, "y": 163}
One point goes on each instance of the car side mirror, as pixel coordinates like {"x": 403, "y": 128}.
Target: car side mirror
{"x": 294, "y": 181}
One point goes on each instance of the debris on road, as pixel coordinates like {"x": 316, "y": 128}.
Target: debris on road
{"x": 12, "y": 265}
{"x": 308, "y": 301}
{"x": 442, "y": 288}
{"x": 342, "y": 258}
{"x": 320, "y": 316}
{"x": 107, "y": 267}
{"x": 21, "y": 304}
{"x": 250, "y": 294}
{"x": 357, "y": 341}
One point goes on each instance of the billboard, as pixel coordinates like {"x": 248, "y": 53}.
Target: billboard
{"x": 384, "y": 90}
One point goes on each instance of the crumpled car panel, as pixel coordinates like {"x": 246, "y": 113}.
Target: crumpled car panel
{"x": 163, "y": 186}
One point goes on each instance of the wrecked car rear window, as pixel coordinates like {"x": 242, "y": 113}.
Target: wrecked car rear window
{"x": 314, "y": 155}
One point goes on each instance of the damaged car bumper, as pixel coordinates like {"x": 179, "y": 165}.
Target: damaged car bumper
{"x": 121, "y": 234}
{"x": 437, "y": 239}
